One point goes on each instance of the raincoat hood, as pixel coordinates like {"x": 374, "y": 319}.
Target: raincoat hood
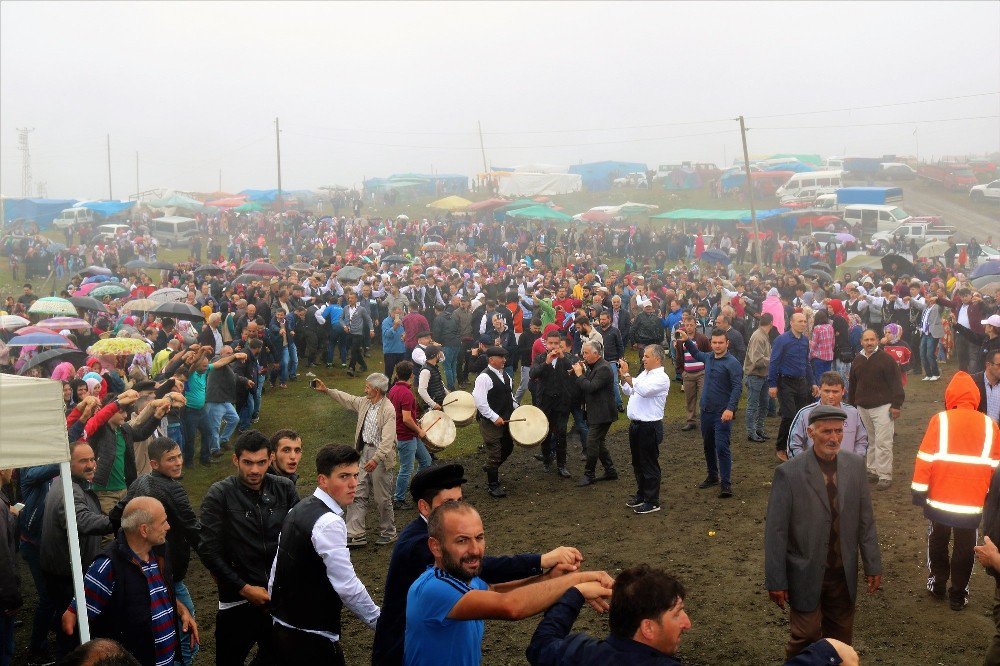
{"x": 962, "y": 392}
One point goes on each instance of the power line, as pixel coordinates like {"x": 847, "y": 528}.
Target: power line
{"x": 898, "y": 122}
{"x": 879, "y": 106}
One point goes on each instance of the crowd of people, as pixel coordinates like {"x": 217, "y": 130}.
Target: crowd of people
{"x": 456, "y": 304}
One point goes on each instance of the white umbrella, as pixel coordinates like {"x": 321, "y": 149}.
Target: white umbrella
{"x": 168, "y": 295}
{"x": 933, "y": 249}
{"x": 11, "y": 322}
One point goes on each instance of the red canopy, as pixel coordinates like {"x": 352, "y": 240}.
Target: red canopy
{"x": 229, "y": 202}
{"x": 488, "y": 204}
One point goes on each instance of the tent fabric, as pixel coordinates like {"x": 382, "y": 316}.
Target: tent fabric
{"x": 598, "y": 176}
{"x": 539, "y": 212}
{"x": 534, "y": 184}
{"x": 682, "y": 179}
{"x": 698, "y": 215}
{"x": 39, "y": 211}
{"x": 32, "y": 422}
{"x": 540, "y": 168}
{"x": 106, "y": 208}
{"x": 814, "y": 160}
{"x": 797, "y": 167}
{"x": 452, "y": 204}
{"x": 262, "y": 195}
{"x": 176, "y": 201}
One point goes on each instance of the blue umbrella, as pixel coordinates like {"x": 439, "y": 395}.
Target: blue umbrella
{"x": 715, "y": 255}
{"x": 991, "y": 267}
{"x": 97, "y": 278}
{"x": 39, "y": 340}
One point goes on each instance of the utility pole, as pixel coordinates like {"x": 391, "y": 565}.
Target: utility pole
{"x": 22, "y": 145}
{"x": 916, "y": 139}
{"x": 482, "y": 147}
{"x": 277, "y": 139}
{"x": 753, "y": 211}
{"x": 110, "y": 197}
{"x": 220, "y": 180}
{"x": 137, "y": 175}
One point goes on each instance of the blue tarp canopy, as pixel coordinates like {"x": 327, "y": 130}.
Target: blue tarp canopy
{"x": 420, "y": 183}
{"x": 106, "y": 208}
{"x": 262, "y": 195}
{"x": 682, "y": 179}
{"x": 39, "y": 211}
{"x": 797, "y": 167}
{"x": 597, "y": 176}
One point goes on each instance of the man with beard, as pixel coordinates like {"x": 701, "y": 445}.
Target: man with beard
{"x": 286, "y": 449}
{"x": 448, "y": 604}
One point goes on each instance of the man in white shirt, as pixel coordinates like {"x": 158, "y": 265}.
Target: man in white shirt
{"x": 494, "y": 398}
{"x": 312, "y": 577}
{"x": 647, "y": 398}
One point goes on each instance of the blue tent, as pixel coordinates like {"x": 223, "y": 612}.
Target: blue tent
{"x": 682, "y": 179}
{"x": 262, "y": 195}
{"x": 39, "y": 211}
{"x": 797, "y": 167}
{"x": 107, "y": 208}
{"x": 597, "y": 176}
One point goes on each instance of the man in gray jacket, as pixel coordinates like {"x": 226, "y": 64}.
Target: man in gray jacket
{"x": 91, "y": 525}
{"x": 353, "y": 320}
{"x": 819, "y": 515}
{"x": 831, "y": 393}
{"x": 931, "y": 330}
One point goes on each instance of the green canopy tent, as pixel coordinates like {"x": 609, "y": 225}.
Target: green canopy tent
{"x": 514, "y": 205}
{"x": 249, "y": 207}
{"x": 539, "y": 212}
{"x": 176, "y": 201}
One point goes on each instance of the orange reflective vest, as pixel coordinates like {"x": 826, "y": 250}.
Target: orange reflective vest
{"x": 957, "y": 458}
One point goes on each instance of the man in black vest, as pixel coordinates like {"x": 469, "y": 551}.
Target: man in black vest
{"x": 312, "y": 578}
{"x": 494, "y": 399}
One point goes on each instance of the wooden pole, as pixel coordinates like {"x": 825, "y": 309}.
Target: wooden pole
{"x": 753, "y": 210}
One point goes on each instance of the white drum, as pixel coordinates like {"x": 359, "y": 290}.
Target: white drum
{"x": 528, "y": 425}
{"x": 461, "y": 407}
{"x": 439, "y": 430}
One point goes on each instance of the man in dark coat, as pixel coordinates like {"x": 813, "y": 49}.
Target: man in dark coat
{"x": 556, "y": 393}
{"x": 595, "y": 379}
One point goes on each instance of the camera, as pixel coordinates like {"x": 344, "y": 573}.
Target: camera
{"x": 677, "y": 335}
{"x": 314, "y": 383}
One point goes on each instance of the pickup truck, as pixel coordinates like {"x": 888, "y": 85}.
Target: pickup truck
{"x": 954, "y": 176}
{"x": 921, "y": 231}
{"x": 987, "y": 192}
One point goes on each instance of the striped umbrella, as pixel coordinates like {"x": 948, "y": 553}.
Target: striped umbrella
{"x": 54, "y": 306}
{"x": 59, "y": 323}
{"x": 114, "y": 290}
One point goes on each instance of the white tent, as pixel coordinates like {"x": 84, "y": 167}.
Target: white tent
{"x": 33, "y": 432}
{"x": 537, "y": 184}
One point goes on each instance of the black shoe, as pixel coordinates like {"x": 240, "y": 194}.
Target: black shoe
{"x": 350, "y": 373}
{"x": 708, "y": 483}
{"x": 621, "y": 409}
{"x": 40, "y": 659}
{"x": 539, "y": 457}
{"x": 725, "y": 491}
{"x": 634, "y": 501}
{"x": 939, "y": 591}
{"x": 586, "y": 480}
{"x": 958, "y": 604}
{"x": 751, "y": 438}
{"x": 609, "y": 475}
{"x": 583, "y": 457}
{"x": 689, "y": 426}
{"x": 646, "y": 507}
{"x": 497, "y": 491}
{"x": 217, "y": 454}
{"x": 564, "y": 473}
{"x": 764, "y": 436}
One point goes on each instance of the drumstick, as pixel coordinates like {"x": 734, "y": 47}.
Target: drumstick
{"x": 436, "y": 421}
{"x": 445, "y": 404}
{"x": 512, "y": 420}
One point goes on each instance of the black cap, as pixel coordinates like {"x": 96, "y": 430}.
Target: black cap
{"x": 496, "y": 351}
{"x": 485, "y": 339}
{"x": 423, "y": 334}
{"x": 436, "y": 478}
{"x": 432, "y": 351}
{"x": 825, "y": 413}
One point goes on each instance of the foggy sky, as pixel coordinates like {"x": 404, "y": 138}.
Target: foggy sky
{"x": 373, "y": 89}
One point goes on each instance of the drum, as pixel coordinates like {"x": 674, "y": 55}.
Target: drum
{"x": 439, "y": 430}
{"x": 461, "y": 407}
{"x": 528, "y": 425}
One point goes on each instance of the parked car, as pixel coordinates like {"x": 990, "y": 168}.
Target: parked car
{"x": 73, "y": 217}
{"x": 108, "y": 232}
{"x": 806, "y": 195}
{"x": 987, "y": 192}
{"x": 896, "y": 171}
{"x": 173, "y": 231}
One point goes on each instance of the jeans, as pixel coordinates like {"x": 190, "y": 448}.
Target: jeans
{"x": 188, "y": 653}
{"x": 407, "y": 450}
{"x": 194, "y": 422}
{"x": 293, "y": 360}
{"x": 928, "y": 355}
{"x": 451, "y": 366}
{"x": 523, "y": 386}
{"x": 715, "y": 436}
{"x": 756, "y": 404}
{"x": 336, "y": 341}
{"x": 282, "y": 372}
{"x": 44, "y": 611}
{"x": 175, "y": 431}
{"x": 217, "y": 413}
{"x": 819, "y": 367}
{"x": 618, "y": 391}
{"x": 249, "y": 409}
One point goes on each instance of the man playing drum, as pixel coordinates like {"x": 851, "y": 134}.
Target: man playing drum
{"x": 495, "y": 402}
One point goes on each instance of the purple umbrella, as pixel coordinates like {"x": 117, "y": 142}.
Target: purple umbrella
{"x": 39, "y": 340}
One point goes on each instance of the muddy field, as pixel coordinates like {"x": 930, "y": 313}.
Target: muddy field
{"x": 733, "y": 620}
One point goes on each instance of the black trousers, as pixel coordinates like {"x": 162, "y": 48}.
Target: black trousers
{"x": 499, "y": 446}
{"x": 556, "y": 441}
{"x": 391, "y": 359}
{"x": 238, "y": 629}
{"x": 644, "y": 438}
{"x": 597, "y": 449}
{"x": 357, "y": 354}
{"x": 60, "y": 589}
{"x": 958, "y": 567}
{"x": 794, "y": 393}
{"x": 307, "y": 343}
{"x": 302, "y": 647}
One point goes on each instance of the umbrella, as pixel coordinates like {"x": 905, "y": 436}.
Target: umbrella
{"x": 261, "y": 268}
{"x": 210, "y": 268}
{"x": 11, "y": 322}
{"x": 488, "y": 204}
{"x": 856, "y": 263}
{"x": 820, "y": 266}
{"x": 991, "y": 267}
{"x": 28, "y": 330}
{"x": 596, "y": 216}
{"x": 113, "y": 290}
{"x": 632, "y": 208}
{"x": 450, "y": 204}
{"x": 405, "y": 218}
{"x": 539, "y": 212}
{"x": 845, "y": 237}
{"x": 161, "y": 265}
{"x": 395, "y": 259}
{"x": 246, "y": 278}
{"x": 991, "y": 289}
{"x": 433, "y": 246}
{"x": 249, "y": 207}
{"x": 168, "y": 295}
{"x": 39, "y": 340}
{"x": 301, "y": 266}
{"x": 95, "y": 270}
{"x": 981, "y": 281}
{"x": 88, "y": 303}
{"x": 715, "y": 255}
{"x": 136, "y": 264}
{"x": 817, "y": 273}
{"x": 896, "y": 265}
{"x": 375, "y": 246}
{"x": 350, "y": 273}
{"x": 98, "y": 279}
{"x": 932, "y": 249}
{"x": 179, "y": 311}
{"x": 74, "y": 356}
{"x": 52, "y": 305}
{"x": 118, "y": 347}
{"x": 140, "y": 305}
{"x": 59, "y": 323}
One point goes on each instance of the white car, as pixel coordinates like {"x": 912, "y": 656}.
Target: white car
{"x": 987, "y": 192}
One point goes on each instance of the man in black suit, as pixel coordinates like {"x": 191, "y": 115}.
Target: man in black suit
{"x": 556, "y": 396}
{"x": 991, "y": 375}
{"x": 431, "y": 487}
{"x": 594, "y": 379}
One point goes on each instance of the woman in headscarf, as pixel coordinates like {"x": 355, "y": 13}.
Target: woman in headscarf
{"x": 892, "y": 343}
{"x": 64, "y": 371}
{"x": 773, "y": 305}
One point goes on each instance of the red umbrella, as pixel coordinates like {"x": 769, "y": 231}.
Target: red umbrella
{"x": 596, "y": 216}
{"x": 488, "y": 204}
{"x": 261, "y": 268}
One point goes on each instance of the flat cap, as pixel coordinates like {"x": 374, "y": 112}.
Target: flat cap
{"x": 436, "y": 478}
{"x": 496, "y": 351}
{"x": 485, "y": 339}
{"x": 826, "y": 413}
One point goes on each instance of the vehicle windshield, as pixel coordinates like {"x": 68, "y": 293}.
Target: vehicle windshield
{"x": 964, "y": 172}
{"x": 898, "y": 214}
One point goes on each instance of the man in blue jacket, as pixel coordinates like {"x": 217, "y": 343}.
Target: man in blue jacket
{"x": 719, "y": 398}
{"x": 647, "y": 622}
{"x": 34, "y": 482}
{"x": 431, "y": 487}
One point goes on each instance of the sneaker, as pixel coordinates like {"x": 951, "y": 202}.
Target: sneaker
{"x": 935, "y": 378}
{"x": 564, "y": 473}
{"x": 708, "y": 483}
{"x": 497, "y": 491}
{"x": 939, "y": 591}
{"x": 763, "y": 435}
{"x": 689, "y": 426}
{"x": 350, "y": 373}
{"x": 385, "y": 541}
{"x": 755, "y": 438}
{"x": 958, "y": 604}
{"x": 357, "y": 542}
{"x": 725, "y": 491}
{"x": 883, "y": 484}
{"x": 585, "y": 480}
{"x": 646, "y": 507}
{"x": 634, "y": 501}
{"x": 872, "y": 478}
{"x": 402, "y": 505}
{"x": 343, "y": 365}
{"x": 609, "y": 475}
{"x": 926, "y": 379}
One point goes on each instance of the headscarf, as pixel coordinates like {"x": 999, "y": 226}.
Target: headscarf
{"x": 893, "y": 331}
{"x": 837, "y": 307}
{"x": 854, "y": 319}
{"x": 64, "y": 371}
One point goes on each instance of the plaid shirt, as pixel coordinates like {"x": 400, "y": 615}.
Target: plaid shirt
{"x": 821, "y": 343}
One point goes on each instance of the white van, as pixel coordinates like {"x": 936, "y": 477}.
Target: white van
{"x": 71, "y": 217}
{"x": 874, "y": 218}
{"x": 810, "y": 179}
{"x": 172, "y": 230}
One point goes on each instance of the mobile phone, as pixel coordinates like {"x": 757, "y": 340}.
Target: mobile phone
{"x": 18, "y": 506}
{"x": 314, "y": 383}
{"x": 677, "y": 335}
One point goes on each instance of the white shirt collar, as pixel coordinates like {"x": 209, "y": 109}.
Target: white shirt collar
{"x": 329, "y": 501}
